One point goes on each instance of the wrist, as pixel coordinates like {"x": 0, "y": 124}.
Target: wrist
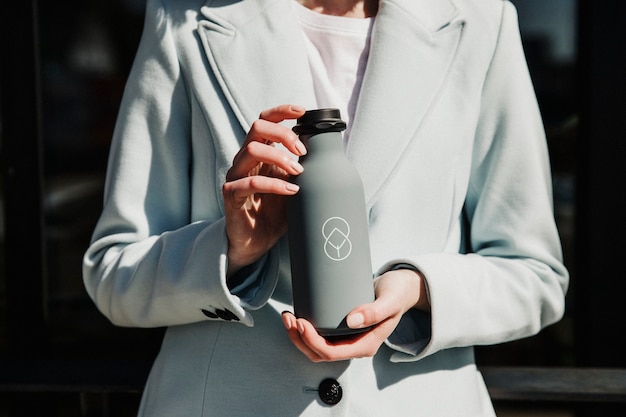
{"x": 237, "y": 261}
{"x": 241, "y": 257}
{"x": 419, "y": 286}
{"x": 423, "y": 301}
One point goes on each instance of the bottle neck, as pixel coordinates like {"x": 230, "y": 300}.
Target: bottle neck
{"x": 322, "y": 142}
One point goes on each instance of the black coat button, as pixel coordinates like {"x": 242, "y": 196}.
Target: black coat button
{"x": 224, "y": 314}
{"x": 330, "y": 391}
{"x": 209, "y": 314}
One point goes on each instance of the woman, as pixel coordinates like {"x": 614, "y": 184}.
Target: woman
{"x": 447, "y": 137}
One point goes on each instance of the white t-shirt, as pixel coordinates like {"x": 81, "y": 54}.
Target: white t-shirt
{"x": 337, "y": 48}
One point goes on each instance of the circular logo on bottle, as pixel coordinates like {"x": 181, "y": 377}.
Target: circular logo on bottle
{"x": 337, "y": 245}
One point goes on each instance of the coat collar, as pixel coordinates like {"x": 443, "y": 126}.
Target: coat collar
{"x": 418, "y": 37}
{"x": 261, "y": 35}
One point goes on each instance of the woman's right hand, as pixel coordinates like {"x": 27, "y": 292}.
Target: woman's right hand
{"x": 257, "y": 184}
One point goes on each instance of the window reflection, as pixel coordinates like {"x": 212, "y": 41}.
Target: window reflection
{"x": 87, "y": 50}
{"x": 549, "y": 34}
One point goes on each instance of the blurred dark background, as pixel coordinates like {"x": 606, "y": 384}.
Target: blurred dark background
{"x": 63, "y": 68}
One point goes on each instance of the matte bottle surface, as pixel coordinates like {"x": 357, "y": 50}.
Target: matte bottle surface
{"x": 328, "y": 237}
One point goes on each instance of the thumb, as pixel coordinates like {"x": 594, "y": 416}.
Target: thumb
{"x": 370, "y": 314}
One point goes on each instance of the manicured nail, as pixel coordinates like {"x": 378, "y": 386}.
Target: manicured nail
{"x": 355, "y": 321}
{"x": 300, "y": 327}
{"x": 300, "y": 147}
{"x": 296, "y": 166}
{"x": 286, "y": 321}
{"x": 291, "y": 187}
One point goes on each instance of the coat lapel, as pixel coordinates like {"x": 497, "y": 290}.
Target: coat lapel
{"x": 413, "y": 45}
{"x": 258, "y": 55}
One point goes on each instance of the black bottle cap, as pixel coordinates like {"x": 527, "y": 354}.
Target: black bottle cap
{"x": 318, "y": 121}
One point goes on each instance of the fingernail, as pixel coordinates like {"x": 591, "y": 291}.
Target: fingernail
{"x": 298, "y": 109}
{"x": 300, "y": 327}
{"x": 291, "y": 187}
{"x": 300, "y": 147}
{"x": 296, "y": 166}
{"x": 355, "y": 320}
{"x": 286, "y": 321}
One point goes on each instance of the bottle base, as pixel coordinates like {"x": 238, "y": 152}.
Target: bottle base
{"x": 341, "y": 333}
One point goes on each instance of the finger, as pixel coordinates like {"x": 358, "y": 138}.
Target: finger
{"x": 357, "y": 346}
{"x": 396, "y": 292}
{"x": 268, "y": 131}
{"x": 253, "y": 153}
{"x": 289, "y": 321}
{"x": 236, "y": 192}
{"x": 283, "y": 112}
{"x": 371, "y": 314}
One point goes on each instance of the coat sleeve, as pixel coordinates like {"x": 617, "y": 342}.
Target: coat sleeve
{"x": 513, "y": 282}
{"x": 148, "y": 265}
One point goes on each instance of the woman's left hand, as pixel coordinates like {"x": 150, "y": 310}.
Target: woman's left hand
{"x": 396, "y": 292}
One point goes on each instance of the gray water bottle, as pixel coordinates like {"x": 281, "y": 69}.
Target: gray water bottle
{"x": 328, "y": 229}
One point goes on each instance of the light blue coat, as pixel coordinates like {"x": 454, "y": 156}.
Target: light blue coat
{"x": 449, "y": 142}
